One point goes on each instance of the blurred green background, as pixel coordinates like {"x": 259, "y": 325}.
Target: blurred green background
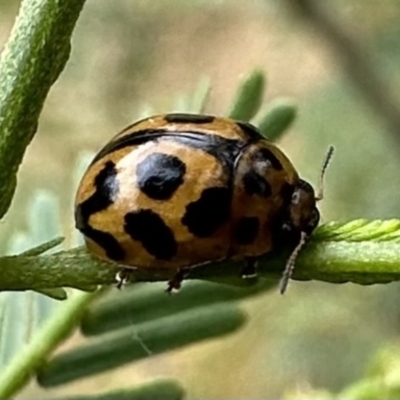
{"x": 131, "y": 56}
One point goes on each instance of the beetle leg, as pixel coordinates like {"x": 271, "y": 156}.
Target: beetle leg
{"x": 175, "y": 282}
{"x": 249, "y": 270}
{"x": 123, "y": 277}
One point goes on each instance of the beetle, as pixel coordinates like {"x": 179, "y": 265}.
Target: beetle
{"x": 177, "y": 191}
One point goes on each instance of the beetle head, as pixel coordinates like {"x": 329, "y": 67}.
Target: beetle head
{"x": 302, "y": 216}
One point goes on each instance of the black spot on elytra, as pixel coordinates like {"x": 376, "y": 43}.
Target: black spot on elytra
{"x": 189, "y": 118}
{"x": 255, "y": 184}
{"x": 148, "y": 228}
{"x": 204, "y": 216}
{"x": 107, "y": 241}
{"x": 159, "y": 175}
{"x": 246, "y": 230}
{"x": 263, "y": 155}
{"x": 251, "y": 131}
{"x": 106, "y": 189}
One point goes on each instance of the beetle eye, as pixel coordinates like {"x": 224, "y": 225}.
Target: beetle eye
{"x": 296, "y": 197}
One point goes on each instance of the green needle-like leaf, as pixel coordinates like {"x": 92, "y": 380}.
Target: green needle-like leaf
{"x": 371, "y": 388}
{"x": 55, "y": 293}
{"x": 42, "y": 248}
{"x": 141, "y": 341}
{"x": 201, "y": 95}
{"x": 142, "y": 303}
{"x": 248, "y": 97}
{"x": 32, "y": 60}
{"x": 279, "y": 115}
{"x": 18, "y": 372}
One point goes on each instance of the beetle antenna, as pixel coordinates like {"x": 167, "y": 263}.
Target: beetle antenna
{"x": 291, "y": 262}
{"x": 325, "y": 163}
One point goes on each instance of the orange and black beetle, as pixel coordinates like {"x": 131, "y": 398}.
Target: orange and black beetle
{"x": 177, "y": 191}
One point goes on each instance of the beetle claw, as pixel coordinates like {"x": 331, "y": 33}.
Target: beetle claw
{"x": 175, "y": 283}
{"x": 249, "y": 270}
{"x": 123, "y": 277}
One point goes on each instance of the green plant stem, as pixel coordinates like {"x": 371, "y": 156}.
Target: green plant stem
{"x": 32, "y": 60}
{"x": 20, "y": 370}
{"x": 360, "y": 251}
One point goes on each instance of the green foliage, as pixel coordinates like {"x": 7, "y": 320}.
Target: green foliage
{"x": 33, "y": 309}
{"x": 382, "y": 379}
{"x": 279, "y": 115}
{"x": 142, "y": 303}
{"x": 248, "y": 97}
{"x": 31, "y": 62}
{"x": 31, "y": 356}
{"x": 141, "y": 341}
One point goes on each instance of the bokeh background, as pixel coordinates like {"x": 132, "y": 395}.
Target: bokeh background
{"x": 129, "y": 57}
